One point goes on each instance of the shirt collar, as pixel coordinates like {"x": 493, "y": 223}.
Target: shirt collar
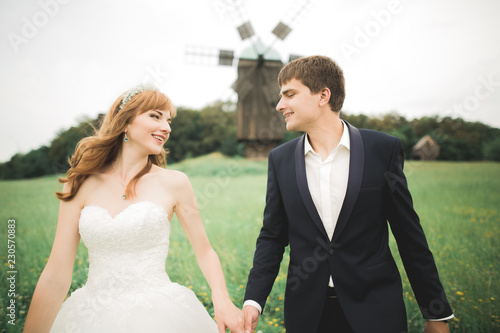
{"x": 344, "y": 140}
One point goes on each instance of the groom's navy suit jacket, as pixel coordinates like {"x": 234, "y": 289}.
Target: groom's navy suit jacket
{"x": 358, "y": 257}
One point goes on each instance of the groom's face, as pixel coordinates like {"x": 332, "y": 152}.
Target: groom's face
{"x": 299, "y": 107}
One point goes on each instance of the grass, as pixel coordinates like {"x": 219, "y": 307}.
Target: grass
{"x": 458, "y": 204}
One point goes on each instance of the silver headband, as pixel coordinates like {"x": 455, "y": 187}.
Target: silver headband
{"x": 136, "y": 90}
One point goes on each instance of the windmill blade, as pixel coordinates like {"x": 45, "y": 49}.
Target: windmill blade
{"x": 234, "y": 11}
{"x": 292, "y": 57}
{"x": 226, "y": 57}
{"x": 195, "y": 54}
{"x": 298, "y": 10}
{"x": 281, "y": 30}
{"x": 245, "y": 30}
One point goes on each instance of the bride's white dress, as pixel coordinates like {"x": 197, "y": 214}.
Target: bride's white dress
{"x": 128, "y": 289}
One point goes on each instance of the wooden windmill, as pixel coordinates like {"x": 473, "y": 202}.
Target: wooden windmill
{"x": 260, "y": 127}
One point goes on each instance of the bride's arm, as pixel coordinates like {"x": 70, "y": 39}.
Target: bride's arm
{"x": 55, "y": 280}
{"x": 226, "y": 313}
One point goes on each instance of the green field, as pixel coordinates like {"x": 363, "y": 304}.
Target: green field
{"x": 458, "y": 204}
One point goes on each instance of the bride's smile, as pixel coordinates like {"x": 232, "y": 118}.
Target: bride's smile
{"x": 149, "y": 130}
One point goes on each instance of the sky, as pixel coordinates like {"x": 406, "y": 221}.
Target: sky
{"x": 63, "y": 60}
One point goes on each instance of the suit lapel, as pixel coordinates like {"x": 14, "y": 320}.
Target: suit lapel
{"x": 300, "y": 167}
{"x": 356, "y": 163}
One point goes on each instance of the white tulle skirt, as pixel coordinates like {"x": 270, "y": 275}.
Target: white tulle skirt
{"x": 172, "y": 308}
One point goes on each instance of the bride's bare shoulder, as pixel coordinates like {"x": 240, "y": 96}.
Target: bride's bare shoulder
{"x": 168, "y": 177}
{"x": 95, "y": 180}
{"x": 91, "y": 184}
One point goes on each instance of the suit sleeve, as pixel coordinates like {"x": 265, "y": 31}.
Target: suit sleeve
{"x": 271, "y": 243}
{"x": 417, "y": 258}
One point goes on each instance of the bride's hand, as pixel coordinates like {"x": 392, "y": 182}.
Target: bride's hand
{"x": 228, "y": 316}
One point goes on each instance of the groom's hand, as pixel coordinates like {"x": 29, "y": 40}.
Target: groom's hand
{"x": 228, "y": 316}
{"x": 251, "y": 318}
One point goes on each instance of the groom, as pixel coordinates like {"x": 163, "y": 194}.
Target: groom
{"x": 329, "y": 196}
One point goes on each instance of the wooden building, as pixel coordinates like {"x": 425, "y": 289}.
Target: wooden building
{"x": 426, "y": 149}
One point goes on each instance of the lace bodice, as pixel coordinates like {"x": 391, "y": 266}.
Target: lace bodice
{"x": 127, "y": 251}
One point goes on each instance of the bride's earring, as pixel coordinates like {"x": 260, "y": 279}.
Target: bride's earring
{"x": 125, "y": 139}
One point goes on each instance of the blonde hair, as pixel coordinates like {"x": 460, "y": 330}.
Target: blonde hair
{"x": 100, "y": 150}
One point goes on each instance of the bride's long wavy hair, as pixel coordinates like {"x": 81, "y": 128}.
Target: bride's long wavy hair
{"x": 95, "y": 152}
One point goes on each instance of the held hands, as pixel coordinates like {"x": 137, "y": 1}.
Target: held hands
{"x": 436, "y": 327}
{"x": 251, "y": 315}
{"x": 228, "y": 316}
{"x": 251, "y": 318}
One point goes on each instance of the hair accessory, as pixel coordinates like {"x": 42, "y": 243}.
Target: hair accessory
{"x": 137, "y": 90}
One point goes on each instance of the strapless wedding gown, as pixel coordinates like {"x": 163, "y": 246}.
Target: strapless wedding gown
{"x": 127, "y": 289}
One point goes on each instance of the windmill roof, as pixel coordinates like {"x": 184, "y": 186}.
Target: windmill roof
{"x": 253, "y": 52}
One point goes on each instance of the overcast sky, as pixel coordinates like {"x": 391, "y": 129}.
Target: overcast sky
{"x": 61, "y": 60}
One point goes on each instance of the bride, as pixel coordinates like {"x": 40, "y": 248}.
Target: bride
{"x": 119, "y": 199}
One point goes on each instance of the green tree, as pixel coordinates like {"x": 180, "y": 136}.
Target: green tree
{"x": 491, "y": 149}
{"x": 63, "y": 146}
{"x": 13, "y": 169}
{"x": 196, "y": 133}
{"x": 424, "y": 126}
{"x": 407, "y": 136}
{"x": 359, "y": 121}
{"x": 36, "y": 163}
{"x": 185, "y": 136}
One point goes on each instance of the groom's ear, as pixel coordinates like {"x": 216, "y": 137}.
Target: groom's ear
{"x": 324, "y": 96}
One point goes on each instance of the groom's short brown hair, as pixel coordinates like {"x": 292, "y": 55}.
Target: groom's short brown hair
{"x": 316, "y": 73}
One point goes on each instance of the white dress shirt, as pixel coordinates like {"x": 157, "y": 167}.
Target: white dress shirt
{"x": 327, "y": 181}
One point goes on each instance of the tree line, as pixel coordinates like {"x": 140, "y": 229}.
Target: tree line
{"x": 199, "y": 132}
